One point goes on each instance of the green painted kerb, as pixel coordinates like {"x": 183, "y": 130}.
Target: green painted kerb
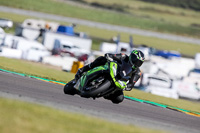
{"x": 160, "y": 105}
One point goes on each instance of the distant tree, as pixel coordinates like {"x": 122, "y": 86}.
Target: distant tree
{"x": 189, "y": 4}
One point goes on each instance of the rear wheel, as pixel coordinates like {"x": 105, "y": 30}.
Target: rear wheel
{"x": 69, "y": 88}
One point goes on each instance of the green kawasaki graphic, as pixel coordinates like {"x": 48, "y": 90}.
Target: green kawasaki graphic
{"x": 96, "y": 69}
{"x": 127, "y": 97}
{"x": 113, "y": 69}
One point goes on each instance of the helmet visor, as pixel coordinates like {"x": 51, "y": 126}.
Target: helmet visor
{"x": 134, "y": 61}
{"x": 138, "y": 63}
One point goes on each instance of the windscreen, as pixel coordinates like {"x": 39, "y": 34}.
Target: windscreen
{"x": 125, "y": 69}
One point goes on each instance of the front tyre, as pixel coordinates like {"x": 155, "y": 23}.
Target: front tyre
{"x": 69, "y": 88}
{"x": 117, "y": 97}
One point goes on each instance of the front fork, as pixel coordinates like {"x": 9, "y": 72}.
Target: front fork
{"x": 77, "y": 85}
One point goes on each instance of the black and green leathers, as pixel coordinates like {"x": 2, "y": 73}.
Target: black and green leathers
{"x": 102, "y": 60}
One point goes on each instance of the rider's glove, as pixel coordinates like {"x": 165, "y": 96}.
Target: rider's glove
{"x": 127, "y": 89}
{"x": 108, "y": 57}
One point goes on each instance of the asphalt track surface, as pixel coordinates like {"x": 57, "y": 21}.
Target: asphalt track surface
{"x": 100, "y": 25}
{"x": 128, "y": 112}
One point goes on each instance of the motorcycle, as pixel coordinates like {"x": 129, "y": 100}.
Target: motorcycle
{"x": 102, "y": 81}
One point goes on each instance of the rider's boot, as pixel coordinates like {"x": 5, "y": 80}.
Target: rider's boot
{"x": 81, "y": 71}
{"x": 97, "y": 62}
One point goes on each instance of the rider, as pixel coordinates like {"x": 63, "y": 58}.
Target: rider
{"x": 135, "y": 59}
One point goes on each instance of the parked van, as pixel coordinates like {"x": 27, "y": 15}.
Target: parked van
{"x": 121, "y": 47}
{"x": 6, "y": 23}
{"x": 39, "y": 24}
{"x": 63, "y": 46}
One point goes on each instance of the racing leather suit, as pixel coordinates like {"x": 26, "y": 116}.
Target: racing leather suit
{"x": 102, "y": 60}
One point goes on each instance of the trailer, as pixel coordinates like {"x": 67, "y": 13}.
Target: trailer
{"x": 30, "y": 50}
{"x": 51, "y": 37}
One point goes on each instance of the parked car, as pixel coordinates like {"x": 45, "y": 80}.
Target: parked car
{"x": 167, "y": 54}
{"x": 6, "y": 23}
{"x": 62, "y": 47}
{"x": 69, "y": 30}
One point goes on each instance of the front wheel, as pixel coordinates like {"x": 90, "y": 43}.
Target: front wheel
{"x": 117, "y": 97}
{"x": 69, "y": 88}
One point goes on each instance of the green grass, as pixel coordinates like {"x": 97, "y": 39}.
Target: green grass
{"x": 36, "y": 69}
{"x": 180, "y": 103}
{"x": 155, "y": 11}
{"x": 184, "y": 48}
{"x": 46, "y": 71}
{"x": 140, "y": 15}
{"x": 22, "y": 117}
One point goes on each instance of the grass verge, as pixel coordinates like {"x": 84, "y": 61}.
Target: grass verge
{"x": 180, "y": 103}
{"x": 22, "y": 117}
{"x": 35, "y": 69}
{"x": 46, "y": 71}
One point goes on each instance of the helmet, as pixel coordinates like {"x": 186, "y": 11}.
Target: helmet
{"x": 136, "y": 58}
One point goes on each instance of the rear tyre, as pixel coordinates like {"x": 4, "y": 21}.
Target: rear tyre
{"x": 69, "y": 88}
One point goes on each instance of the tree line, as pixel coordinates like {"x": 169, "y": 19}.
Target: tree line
{"x": 187, "y": 4}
